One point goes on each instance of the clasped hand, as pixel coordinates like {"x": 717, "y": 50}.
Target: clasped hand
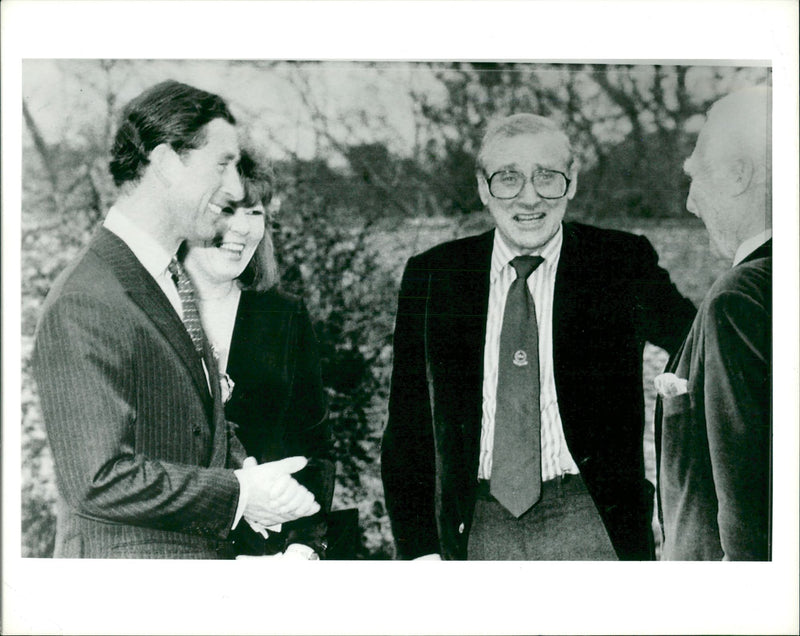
{"x": 274, "y": 496}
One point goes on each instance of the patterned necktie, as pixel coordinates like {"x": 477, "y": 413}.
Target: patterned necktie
{"x": 516, "y": 480}
{"x": 191, "y": 315}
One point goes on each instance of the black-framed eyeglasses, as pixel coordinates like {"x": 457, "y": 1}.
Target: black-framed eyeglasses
{"x": 548, "y": 184}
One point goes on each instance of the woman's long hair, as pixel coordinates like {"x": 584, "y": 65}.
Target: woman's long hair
{"x": 261, "y": 273}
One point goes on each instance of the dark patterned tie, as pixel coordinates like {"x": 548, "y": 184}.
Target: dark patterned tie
{"x": 191, "y": 315}
{"x": 516, "y": 480}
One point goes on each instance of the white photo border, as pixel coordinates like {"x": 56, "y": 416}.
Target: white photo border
{"x": 49, "y": 596}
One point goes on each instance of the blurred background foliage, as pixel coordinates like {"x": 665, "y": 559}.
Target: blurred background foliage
{"x": 374, "y": 162}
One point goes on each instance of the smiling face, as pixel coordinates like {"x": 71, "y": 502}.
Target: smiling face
{"x": 527, "y": 221}
{"x": 204, "y": 181}
{"x": 226, "y": 260}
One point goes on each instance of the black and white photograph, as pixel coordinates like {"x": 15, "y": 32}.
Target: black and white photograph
{"x": 291, "y": 304}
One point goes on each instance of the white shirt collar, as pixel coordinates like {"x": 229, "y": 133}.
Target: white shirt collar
{"x": 750, "y": 245}
{"x": 147, "y": 250}
{"x": 502, "y": 253}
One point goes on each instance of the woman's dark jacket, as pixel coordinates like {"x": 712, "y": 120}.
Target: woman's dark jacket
{"x": 278, "y": 407}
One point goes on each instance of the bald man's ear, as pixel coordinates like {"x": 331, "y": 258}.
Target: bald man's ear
{"x": 741, "y": 172}
{"x": 483, "y": 188}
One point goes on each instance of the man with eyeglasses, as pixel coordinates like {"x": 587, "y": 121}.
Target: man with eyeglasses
{"x": 516, "y": 412}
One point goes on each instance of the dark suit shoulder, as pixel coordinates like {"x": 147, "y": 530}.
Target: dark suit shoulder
{"x": 751, "y": 280}
{"x": 446, "y": 255}
{"x": 86, "y": 274}
{"x": 599, "y": 254}
{"x": 606, "y": 243}
{"x": 598, "y": 234}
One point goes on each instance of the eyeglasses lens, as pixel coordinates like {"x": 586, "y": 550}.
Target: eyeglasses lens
{"x": 508, "y": 184}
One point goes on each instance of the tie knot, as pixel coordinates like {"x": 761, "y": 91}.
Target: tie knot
{"x": 175, "y": 268}
{"x": 525, "y": 265}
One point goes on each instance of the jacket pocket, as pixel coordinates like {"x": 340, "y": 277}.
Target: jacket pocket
{"x": 673, "y": 406}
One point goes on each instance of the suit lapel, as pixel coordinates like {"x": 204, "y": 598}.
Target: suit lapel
{"x": 570, "y": 308}
{"x": 456, "y": 315}
{"x": 145, "y": 292}
{"x": 219, "y": 453}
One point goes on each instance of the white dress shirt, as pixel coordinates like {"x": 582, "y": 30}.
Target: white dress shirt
{"x": 556, "y": 458}
{"x": 751, "y": 245}
{"x": 154, "y": 258}
{"x": 218, "y": 315}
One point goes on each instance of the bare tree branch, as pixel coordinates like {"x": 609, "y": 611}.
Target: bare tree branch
{"x": 45, "y": 155}
{"x": 321, "y": 124}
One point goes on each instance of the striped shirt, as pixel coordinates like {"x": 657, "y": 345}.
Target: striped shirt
{"x": 556, "y": 459}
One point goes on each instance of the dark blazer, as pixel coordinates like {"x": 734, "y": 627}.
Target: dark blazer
{"x": 142, "y": 452}
{"x": 278, "y": 407}
{"x": 610, "y": 297}
{"x": 715, "y": 477}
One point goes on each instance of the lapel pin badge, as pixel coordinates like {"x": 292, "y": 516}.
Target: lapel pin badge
{"x": 520, "y": 358}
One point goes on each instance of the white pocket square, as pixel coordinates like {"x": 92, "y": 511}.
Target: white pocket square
{"x": 670, "y": 385}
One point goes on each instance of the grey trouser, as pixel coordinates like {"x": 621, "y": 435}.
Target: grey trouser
{"x": 563, "y": 526}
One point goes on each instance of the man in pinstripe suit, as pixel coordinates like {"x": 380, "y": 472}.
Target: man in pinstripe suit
{"x": 146, "y": 464}
{"x": 572, "y": 480}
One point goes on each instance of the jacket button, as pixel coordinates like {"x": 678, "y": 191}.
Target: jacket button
{"x": 196, "y": 430}
{"x": 461, "y": 528}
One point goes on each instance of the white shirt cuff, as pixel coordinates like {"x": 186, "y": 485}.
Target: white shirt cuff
{"x": 243, "y": 492}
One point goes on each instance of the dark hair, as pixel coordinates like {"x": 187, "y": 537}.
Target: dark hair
{"x": 257, "y": 178}
{"x": 169, "y": 112}
{"x": 261, "y": 272}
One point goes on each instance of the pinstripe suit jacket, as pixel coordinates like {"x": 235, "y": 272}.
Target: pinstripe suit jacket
{"x": 142, "y": 451}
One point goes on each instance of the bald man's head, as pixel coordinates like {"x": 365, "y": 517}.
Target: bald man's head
{"x": 738, "y": 128}
{"x": 730, "y": 169}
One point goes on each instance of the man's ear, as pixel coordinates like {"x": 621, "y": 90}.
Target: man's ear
{"x": 164, "y": 163}
{"x": 483, "y": 188}
{"x": 740, "y": 173}
{"x": 573, "y": 181}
